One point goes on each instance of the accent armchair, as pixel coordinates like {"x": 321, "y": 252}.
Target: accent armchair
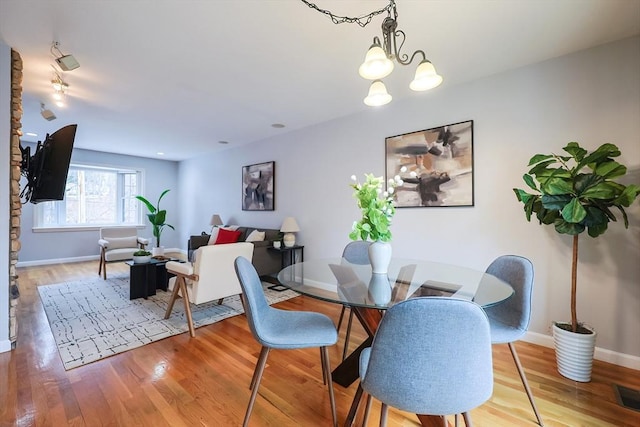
{"x": 118, "y": 244}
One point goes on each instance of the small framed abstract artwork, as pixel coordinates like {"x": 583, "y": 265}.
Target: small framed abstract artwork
{"x": 436, "y": 166}
{"x": 258, "y": 187}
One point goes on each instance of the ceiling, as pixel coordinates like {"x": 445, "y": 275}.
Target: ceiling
{"x": 178, "y": 76}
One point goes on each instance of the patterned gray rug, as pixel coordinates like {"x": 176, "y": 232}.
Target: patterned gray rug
{"x": 92, "y": 319}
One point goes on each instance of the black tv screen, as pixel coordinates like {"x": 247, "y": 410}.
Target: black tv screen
{"x": 50, "y": 164}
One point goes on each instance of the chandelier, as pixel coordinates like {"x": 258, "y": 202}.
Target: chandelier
{"x": 379, "y": 60}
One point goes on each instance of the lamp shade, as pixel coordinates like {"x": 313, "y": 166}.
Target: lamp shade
{"x": 289, "y": 225}
{"x": 378, "y": 95}
{"x": 216, "y": 220}
{"x": 376, "y": 65}
{"x": 426, "y": 77}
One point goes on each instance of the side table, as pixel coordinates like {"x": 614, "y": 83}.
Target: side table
{"x": 288, "y": 257}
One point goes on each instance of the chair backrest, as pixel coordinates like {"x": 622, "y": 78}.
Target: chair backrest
{"x": 518, "y": 272}
{"x": 118, "y": 232}
{"x": 357, "y": 252}
{"x": 430, "y": 355}
{"x": 214, "y": 265}
{"x": 255, "y": 303}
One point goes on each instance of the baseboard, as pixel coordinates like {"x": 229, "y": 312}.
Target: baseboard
{"x": 620, "y": 359}
{"x": 5, "y": 345}
{"x": 75, "y": 259}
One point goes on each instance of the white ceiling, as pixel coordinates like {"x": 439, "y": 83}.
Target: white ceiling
{"x": 177, "y": 76}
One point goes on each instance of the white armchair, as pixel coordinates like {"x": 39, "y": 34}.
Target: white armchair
{"x": 212, "y": 276}
{"x": 118, "y": 244}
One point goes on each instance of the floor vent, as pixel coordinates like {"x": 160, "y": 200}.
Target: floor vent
{"x": 628, "y": 397}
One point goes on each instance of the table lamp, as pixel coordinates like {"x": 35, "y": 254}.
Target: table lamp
{"x": 289, "y": 226}
{"x": 215, "y": 221}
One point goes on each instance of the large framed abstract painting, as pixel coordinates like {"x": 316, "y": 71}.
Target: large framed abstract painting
{"x": 258, "y": 187}
{"x": 435, "y": 164}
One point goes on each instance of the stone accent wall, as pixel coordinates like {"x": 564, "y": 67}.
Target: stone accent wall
{"x": 16, "y": 205}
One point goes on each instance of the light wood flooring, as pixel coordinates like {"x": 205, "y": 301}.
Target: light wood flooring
{"x": 204, "y": 381}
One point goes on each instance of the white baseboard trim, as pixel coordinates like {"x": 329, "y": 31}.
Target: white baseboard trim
{"x": 76, "y": 259}
{"x": 609, "y": 356}
{"x": 5, "y": 345}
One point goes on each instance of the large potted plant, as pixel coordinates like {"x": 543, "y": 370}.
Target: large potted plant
{"x": 157, "y": 218}
{"x": 576, "y": 193}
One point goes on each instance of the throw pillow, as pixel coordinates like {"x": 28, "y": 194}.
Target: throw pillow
{"x": 255, "y": 236}
{"x": 214, "y": 236}
{"x": 227, "y": 236}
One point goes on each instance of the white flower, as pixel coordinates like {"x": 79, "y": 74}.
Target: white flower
{"x": 391, "y": 190}
{"x": 400, "y": 182}
{"x": 353, "y": 178}
{"x": 386, "y": 194}
{"x": 403, "y": 169}
{"x": 413, "y": 174}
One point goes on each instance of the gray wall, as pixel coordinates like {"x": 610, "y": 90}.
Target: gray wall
{"x": 591, "y": 97}
{"x": 5, "y": 201}
{"x": 61, "y": 245}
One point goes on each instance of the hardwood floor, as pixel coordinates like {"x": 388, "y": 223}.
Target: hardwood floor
{"x": 204, "y": 381}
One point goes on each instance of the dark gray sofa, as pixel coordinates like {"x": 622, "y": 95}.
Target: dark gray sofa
{"x": 267, "y": 262}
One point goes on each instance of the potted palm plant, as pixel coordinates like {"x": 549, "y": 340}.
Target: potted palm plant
{"x": 157, "y": 218}
{"x": 576, "y": 193}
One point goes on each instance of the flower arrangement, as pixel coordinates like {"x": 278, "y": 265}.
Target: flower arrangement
{"x": 377, "y": 208}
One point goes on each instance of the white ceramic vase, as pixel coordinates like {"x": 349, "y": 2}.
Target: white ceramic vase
{"x": 380, "y": 289}
{"x": 574, "y": 353}
{"x": 141, "y": 259}
{"x": 380, "y": 257}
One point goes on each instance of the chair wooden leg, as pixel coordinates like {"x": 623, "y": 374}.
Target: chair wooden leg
{"x": 367, "y": 410}
{"x": 456, "y": 419}
{"x": 353, "y": 410}
{"x": 327, "y": 368}
{"x": 467, "y": 419}
{"x": 348, "y": 336}
{"x": 525, "y": 383}
{"x": 181, "y": 286}
{"x": 103, "y": 265}
{"x": 384, "y": 410}
{"x": 324, "y": 371}
{"x": 257, "y": 376}
{"x": 220, "y": 301}
{"x": 255, "y": 371}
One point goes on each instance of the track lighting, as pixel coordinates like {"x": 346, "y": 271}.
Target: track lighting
{"x": 65, "y": 62}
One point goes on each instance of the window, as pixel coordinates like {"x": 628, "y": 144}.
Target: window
{"x": 94, "y": 197}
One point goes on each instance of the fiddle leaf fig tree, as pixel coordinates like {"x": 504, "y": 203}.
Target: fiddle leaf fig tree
{"x": 574, "y": 193}
{"x": 157, "y": 217}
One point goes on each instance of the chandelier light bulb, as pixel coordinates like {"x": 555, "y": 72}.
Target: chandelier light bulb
{"x": 376, "y": 65}
{"x": 378, "y": 95}
{"x": 426, "y": 77}
{"x": 57, "y": 95}
{"x": 60, "y": 103}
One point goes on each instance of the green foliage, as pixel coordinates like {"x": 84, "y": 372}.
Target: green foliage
{"x": 141, "y": 252}
{"x": 377, "y": 209}
{"x": 576, "y": 192}
{"x": 157, "y": 217}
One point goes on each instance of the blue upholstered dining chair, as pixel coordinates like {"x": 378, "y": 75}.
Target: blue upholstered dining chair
{"x": 356, "y": 252}
{"x": 282, "y": 329}
{"x": 509, "y": 320}
{"x": 430, "y": 355}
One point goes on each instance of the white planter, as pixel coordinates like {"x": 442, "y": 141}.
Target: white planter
{"x": 380, "y": 257}
{"x": 157, "y": 251}
{"x": 574, "y": 353}
{"x": 380, "y": 289}
{"x": 141, "y": 259}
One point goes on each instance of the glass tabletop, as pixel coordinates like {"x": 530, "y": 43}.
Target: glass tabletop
{"x": 339, "y": 281}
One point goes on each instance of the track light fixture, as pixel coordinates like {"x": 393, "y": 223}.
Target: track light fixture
{"x": 379, "y": 60}
{"x": 45, "y": 113}
{"x": 65, "y": 62}
{"x": 60, "y": 88}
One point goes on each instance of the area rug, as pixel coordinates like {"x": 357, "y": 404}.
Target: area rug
{"x": 92, "y": 319}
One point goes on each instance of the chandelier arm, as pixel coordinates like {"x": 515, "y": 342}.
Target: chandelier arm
{"x": 360, "y": 20}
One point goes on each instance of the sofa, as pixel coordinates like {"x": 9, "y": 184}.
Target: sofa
{"x": 266, "y": 262}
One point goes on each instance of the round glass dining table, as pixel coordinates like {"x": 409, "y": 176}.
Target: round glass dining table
{"x": 369, "y": 295}
{"x": 339, "y": 281}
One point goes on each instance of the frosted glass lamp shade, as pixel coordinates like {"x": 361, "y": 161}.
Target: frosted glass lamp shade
{"x": 289, "y": 227}
{"x": 426, "y": 77}
{"x": 378, "y": 95}
{"x": 376, "y": 65}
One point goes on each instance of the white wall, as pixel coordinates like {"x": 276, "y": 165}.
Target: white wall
{"x": 591, "y": 97}
{"x": 5, "y": 200}
{"x": 40, "y": 247}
